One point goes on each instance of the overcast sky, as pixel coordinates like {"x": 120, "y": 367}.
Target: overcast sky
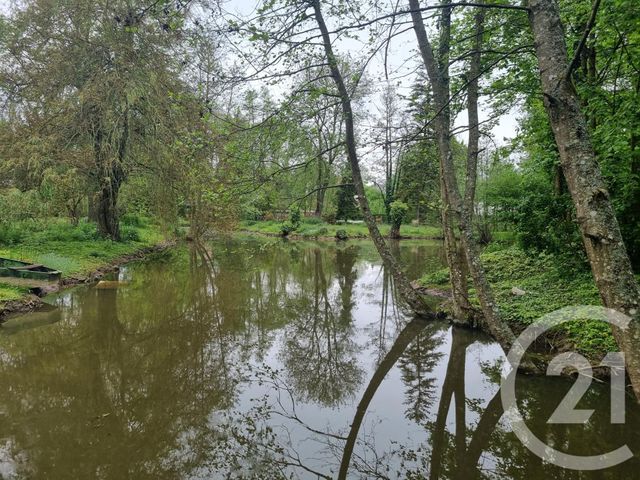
{"x": 402, "y": 62}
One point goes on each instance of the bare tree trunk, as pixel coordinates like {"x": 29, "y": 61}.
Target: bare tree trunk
{"x": 603, "y": 242}
{"x": 440, "y": 83}
{"x": 408, "y": 293}
{"x": 322, "y": 183}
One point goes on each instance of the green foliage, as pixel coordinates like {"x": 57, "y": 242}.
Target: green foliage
{"x": 16, "y": 205}
{"x": 330, "y": 217}
{"x": 439, "y": 278}
{"x": 312, "y": 220}
{"x": 376, "y": 201}
{"x": 129, "y": 234}
{"x": 286, "y": 228}
{"x": 64, "y": 189}
{"x": 342, "y": 234}
{"x": 347, "y": 208}
{"x": 550, "y": 282}
{"x": 11, "y": 234}
{"x": 312, "y": 231}
{"x": 295, "y": 217}
{"x": 398, "y": 212}
{"x": 133, "y": 220}
{"x": 251, "y": 212}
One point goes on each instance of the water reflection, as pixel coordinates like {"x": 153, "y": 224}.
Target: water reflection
{"x": 265, "y": 359}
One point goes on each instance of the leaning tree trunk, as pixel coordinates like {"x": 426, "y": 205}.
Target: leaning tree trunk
{"x": 408, "y": 293}
{"x": 598, "y": 225}
{"x": 440, "y": 85}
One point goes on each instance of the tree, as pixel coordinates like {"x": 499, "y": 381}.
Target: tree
{"x": 103, "y": 72}
{"x": 454, "y": 206}
{"x": 347, "y": 209}
{"x": 296, "y": 41}
{"x": 397, "y": 214}
{"x": 595, "y": 215}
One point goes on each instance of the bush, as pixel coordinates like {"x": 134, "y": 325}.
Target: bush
{"x": 313, "y": 231}
{"x": 252, "y": 213}
{"x": 132, "y": 220}
{"x": 329, "y": 217}
{"x": 129, "y": 234}
{"x": 17, "y": 206}
{"x": 65, "y": 232}
{"x": 342, "y": 234}
{"x": 295, "y": 216}
{"x": 286, "y": 228}
{"x": 10, "y": 234}
{"x": 398, "y": 211}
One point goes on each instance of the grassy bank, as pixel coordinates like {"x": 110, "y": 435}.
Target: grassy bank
{"x": 549, "y": 284}
{"x": 311, "y": 228}
{"x": 75, "y": 251}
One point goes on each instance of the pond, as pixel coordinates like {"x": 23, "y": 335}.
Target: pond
{"x": 261, "y": 358}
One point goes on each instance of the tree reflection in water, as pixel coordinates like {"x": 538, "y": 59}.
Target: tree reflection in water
{"x": 264, "y": 359}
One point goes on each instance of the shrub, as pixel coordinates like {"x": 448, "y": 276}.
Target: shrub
{"x": 129, "y": 234}
{"x": 132, "y": 220}
{"x": 341, "y": 234}
{"x": 295, "y": 217}
{"x": 397, "y": 211}
{"x": 16, "y": 205}
{"x": 10, "y": 234}
{"x": 329, "y": 217}
{"x": 313, "y": 232}
{"x": 252, "y": 213}
{"x": 64, "y": 232}
{"x": 286, "y": 228}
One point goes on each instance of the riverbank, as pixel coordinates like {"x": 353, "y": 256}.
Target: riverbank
{"x": 315, "y": 228}
{"x": 77, "y": 252}
{"x": 527, "y": 286}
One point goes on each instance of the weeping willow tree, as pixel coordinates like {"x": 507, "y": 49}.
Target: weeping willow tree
{"x": 92, "y": 82}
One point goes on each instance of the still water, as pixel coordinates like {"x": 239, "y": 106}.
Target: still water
{"x": 258, "y": 358}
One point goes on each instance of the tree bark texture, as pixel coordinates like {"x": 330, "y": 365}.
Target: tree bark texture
{"x": 596, "y": 219}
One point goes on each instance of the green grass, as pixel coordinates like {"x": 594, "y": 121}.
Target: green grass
{"x": 75, "y": 251}
{"x": 550, "y": 284}
{"x": 9, "y": 292}
{"x": 312, "y": 228}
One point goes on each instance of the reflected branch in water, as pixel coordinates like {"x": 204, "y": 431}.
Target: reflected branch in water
{"x": 405, "y": 337}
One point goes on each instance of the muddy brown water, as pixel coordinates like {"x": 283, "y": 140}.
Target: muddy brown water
{"x": 258, "y": 358}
